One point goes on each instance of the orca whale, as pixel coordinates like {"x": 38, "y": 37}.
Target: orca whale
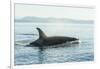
{"x": 44, "y": 40}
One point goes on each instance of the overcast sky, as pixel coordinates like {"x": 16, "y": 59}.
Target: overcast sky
{"x": 22, "y": 10}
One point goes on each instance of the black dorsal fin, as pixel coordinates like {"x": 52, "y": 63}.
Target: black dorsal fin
{"x": 41, "y": 33}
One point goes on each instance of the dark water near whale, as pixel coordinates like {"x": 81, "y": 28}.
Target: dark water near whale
{"x": 26, "y": 33}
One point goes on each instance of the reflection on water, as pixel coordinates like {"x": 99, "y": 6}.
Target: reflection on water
{"x": 26, "y": 33}
{"x": 41, "y": 55}
{"x": 42, "y": 51}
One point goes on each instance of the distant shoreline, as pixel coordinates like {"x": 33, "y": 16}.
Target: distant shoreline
{"x": 50, "y": 20}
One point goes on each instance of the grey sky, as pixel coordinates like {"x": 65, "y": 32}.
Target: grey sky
{"x": 22, "y": 10}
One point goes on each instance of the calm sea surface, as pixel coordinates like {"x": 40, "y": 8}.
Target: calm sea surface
{"x": 26, "y": 33}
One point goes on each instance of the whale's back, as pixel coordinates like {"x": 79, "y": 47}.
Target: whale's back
{"x": 57, "y": 40}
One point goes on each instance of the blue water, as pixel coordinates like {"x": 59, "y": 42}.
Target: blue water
{"x": 26, "y": 33}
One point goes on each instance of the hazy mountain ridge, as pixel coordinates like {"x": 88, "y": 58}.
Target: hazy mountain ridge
{"x": 49, "y": 20}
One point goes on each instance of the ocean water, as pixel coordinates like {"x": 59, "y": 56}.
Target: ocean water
{"x": 26, "y": 33}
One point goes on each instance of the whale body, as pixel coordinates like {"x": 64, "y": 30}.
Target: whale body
{"x": 44, "y": 40}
